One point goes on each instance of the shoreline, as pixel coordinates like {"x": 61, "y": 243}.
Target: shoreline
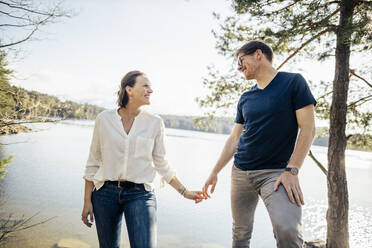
{"x": 16, "y": 128}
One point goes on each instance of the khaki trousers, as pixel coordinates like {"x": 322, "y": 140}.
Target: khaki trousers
{"x": 246, "y": 187}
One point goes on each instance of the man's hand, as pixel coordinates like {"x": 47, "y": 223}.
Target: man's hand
{"x": 212, "y": 180}
{"x": 196, "y": 196}
{"x": 292, "y": 186}
{"x": 87, "y": 210}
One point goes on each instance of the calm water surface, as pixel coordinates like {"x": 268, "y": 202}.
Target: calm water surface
{"x": 46, "y": 178}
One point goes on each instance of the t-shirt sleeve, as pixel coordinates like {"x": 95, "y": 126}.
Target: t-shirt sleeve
{"x": 301, "y": 94}
{"x": 239, "y": 114}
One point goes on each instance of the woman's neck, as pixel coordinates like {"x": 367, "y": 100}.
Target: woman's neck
{"x": 129, "y": 111}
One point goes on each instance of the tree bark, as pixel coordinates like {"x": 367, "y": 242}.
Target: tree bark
{"x": 338, "y": 202}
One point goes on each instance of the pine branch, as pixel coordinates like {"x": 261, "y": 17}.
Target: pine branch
{"x": 319, "y": 164}
{"x": 284, "y": 8}
{"x": 311, "y": 25}
{"x": 366, "y": 2}
{"x": 352, "y": 73}
{"x": 304, "y": 45}
{"x": 364, "y": 99}
{"x": 332, "y": 2}
{"x": 326, "y": 94}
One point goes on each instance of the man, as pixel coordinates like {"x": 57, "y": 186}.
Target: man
{"x": 267, "y": 157}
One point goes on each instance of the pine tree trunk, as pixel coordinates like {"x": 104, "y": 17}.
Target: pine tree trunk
{"x": 338, "y": 202}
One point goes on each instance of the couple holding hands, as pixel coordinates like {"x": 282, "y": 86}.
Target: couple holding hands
{"x": 127, "y": 150}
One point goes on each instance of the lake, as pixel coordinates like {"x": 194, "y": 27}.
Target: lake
{"x": 45, "y": 178}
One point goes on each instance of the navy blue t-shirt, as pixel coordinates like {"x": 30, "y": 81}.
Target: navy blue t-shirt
{"x": 270, "y": 124}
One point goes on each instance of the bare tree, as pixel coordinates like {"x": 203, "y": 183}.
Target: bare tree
{"x": 26, "y": 17}
{"x": 9, "y": 226}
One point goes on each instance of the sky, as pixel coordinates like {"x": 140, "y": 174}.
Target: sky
{"x": 83, "y": 58}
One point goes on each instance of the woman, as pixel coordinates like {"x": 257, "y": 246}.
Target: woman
{"x": 127, "y": 150}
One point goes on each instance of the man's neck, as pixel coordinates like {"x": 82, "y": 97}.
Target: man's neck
{"x": 265, "y": 76}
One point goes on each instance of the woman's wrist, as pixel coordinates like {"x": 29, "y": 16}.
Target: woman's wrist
{"x": 182, "y": 190}
{"x": 89, "y": 186}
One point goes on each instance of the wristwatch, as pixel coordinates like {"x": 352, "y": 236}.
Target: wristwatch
{"x": 292, "y": 170}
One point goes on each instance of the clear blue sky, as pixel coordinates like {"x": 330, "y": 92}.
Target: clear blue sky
{"x": 84, "y": 58}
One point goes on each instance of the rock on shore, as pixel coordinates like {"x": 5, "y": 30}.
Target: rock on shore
{"x": 14, "y": 129}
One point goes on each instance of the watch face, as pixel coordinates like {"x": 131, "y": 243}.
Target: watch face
{"x": 294, "y": 171}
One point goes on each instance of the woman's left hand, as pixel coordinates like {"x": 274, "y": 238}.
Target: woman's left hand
{"x": 197, "y": 196}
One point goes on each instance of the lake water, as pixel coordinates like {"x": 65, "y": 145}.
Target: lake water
{"x": 46, "y": 178}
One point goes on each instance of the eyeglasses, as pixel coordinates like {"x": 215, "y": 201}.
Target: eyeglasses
{"x": 240, "y": 60}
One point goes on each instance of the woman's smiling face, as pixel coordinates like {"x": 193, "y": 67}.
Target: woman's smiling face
{"x": 140, "y": 93}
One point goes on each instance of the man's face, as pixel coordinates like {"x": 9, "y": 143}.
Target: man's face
{"x": 248, "y": 65}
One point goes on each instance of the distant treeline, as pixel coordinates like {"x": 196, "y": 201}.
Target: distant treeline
{"x": 218, "y": 125}
{"x": 18, "y": 103}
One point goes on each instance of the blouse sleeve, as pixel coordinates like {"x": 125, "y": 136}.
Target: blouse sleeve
{"x": 94, "y": 158}
{"x": 158, "y": 155}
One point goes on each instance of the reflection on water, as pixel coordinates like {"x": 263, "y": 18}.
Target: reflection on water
{"x": 360, "y": 219}
{"x": 46, "y": 177}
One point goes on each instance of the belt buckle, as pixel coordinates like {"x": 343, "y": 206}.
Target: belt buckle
{"x": 119, "y": 186}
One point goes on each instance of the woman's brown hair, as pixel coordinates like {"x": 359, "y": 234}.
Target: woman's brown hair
{"x": 128, "y": 80}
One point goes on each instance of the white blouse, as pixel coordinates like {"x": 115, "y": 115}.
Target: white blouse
{"x": 136, "y": 157}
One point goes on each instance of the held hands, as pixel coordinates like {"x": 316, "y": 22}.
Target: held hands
{"x": 197, "y": 196}
{"x": 212, "y": 180}
{"x": 87, "y": 210}
{"x": 292, "y": 186}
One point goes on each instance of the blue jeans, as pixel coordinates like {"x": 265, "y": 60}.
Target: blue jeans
{"x": 110, "y": 202}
